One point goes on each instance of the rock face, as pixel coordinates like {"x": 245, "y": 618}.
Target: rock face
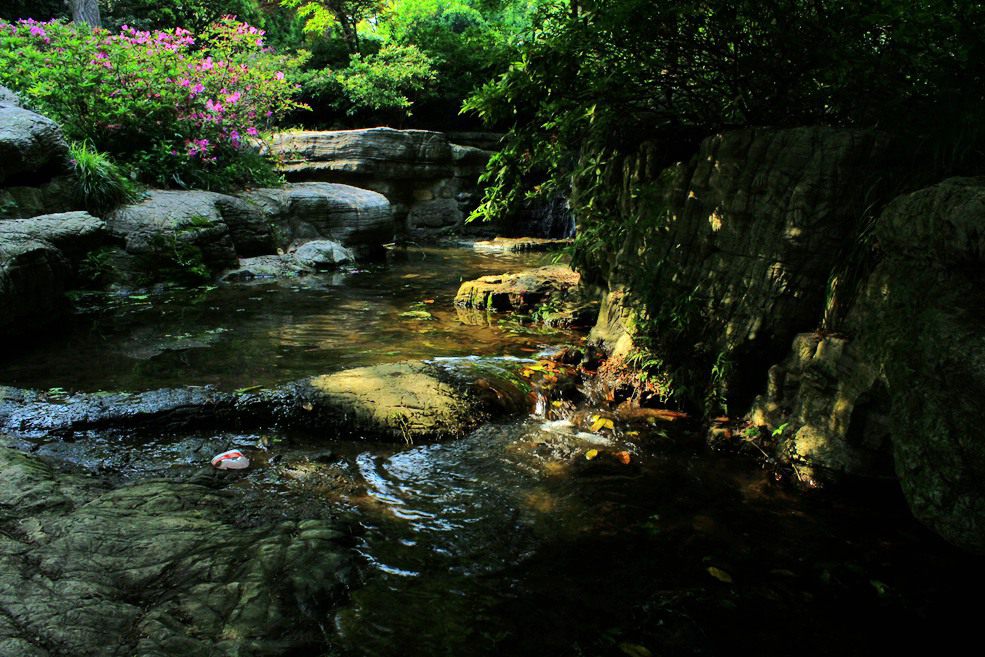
{"x": 356, "y": 218}
{"x": 430, "y": 181}
{"x": 733, "y": 250}
{"x": 38, "y": 261}
{"x": 404, "y": 402}
{"x": 154, "y": 568}
{"x": 763, "y": 240}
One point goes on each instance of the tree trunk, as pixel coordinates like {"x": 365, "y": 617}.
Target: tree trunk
{"x": 86, "y": 11}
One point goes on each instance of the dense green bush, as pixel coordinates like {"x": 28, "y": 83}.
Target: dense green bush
{"x": 181, "y": 109}
{"x": 599, "y": 74}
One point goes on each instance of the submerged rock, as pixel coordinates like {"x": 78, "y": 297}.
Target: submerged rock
{"x": 155, "y": 568}
{"x": 408, "y": 402}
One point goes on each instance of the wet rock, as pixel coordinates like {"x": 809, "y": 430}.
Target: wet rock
{"x": 176, "y": 229}
{"x": 302, "y": 212}
{"x": 32, "y": 148}
{"x": 521, "y": 292}
{"x": 155, "y": 568}
{"x": 322, "y": 254}
{"x": 263, "y": 267}
{"x": 521, "y": 244}
{"x": 399, "y": 402}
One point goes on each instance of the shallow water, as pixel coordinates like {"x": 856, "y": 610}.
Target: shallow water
{"x": 267, "y": 332}
{"x": 512, "y": 541}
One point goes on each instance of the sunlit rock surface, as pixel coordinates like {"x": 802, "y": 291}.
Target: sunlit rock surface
{"x": 158, "y": 567}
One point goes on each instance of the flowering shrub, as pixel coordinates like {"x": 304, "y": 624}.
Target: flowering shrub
{"x": 182, "y": 109}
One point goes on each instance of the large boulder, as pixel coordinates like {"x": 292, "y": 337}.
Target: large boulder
{"x": 430, "y": 182}
{"x": 38, "y": 261}
{"x": 32, "y": 148}
{"x": 157, "y": 567}
{"x": 382, "y": 153}
{"x": 302, "y": 212}
{"x": 176, "y": 229}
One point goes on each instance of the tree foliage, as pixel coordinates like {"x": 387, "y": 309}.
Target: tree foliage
{"x": 612, "y": 72}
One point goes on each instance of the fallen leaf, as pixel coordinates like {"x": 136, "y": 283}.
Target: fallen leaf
{"x": 308, "y": 406}
{"x": 719, "y": 574}
{"x": 635, "y": 650}
{"x": 590, "y": 454}
{"x": 624, "y": 457}
{"x": 602, "y": 423}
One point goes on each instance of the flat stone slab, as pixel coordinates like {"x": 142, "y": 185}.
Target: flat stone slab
{"x": 403, "y": 402}
{"x": 373, "y": 152}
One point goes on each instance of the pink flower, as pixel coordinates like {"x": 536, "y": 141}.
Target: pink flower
{"x": 232, "y": 99}
{"x": 279, "y": 75}
{"x": 185, "y": 82}
{"x": 251, "y": 131}
{"x": 198, "y": 88}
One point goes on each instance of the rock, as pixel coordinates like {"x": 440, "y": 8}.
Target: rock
{"x": 33, "y": 278}
{"x": 8, "y": 97}
{"x": 60, "y": 194}
{"x": 732, "y": 250}
{"x": 521, "y": 292}
{"x": 322, "y": 254}
{"x": 430, "y": 183}
{"x": 176, "y": 229}
{"x": 253, "y": 232}
{"x": 382, "y": 153}
{"x": 469, "y": 161}
{"x": 919, "y": 318}
{"x": 487, "y": 141}
{"x": 397, "y": 402}
{"x": 437, "y": 213}
{"x": 522, "y": 244}
{"x": 73, "y": 233}
{"x": 32, "y": 149}
{"x": 155, "y": 568}
{"x": 835, "y": 406}
{"x": 272, "y": 266}
{"x": 302, "y": 212}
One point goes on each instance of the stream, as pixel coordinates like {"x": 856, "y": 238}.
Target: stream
{"x": 511, "y": 541}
